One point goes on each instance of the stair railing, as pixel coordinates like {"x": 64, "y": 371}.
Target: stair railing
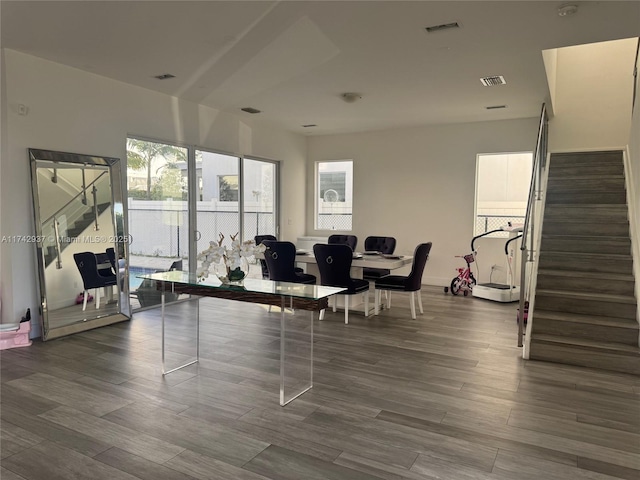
{"x": 527, "y": 246}
{"x": 82, "y": 192}
{"x": 55, "y": 228}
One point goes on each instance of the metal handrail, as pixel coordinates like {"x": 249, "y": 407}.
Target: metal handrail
{"x": 75, "y": 196}
{"x": 529, "y": 220}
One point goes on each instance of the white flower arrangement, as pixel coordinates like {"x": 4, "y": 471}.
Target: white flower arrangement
{"x": 232, "y": 257}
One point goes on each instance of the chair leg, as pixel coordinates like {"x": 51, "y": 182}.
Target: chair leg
{"x": 321, "y": 317}
{"x": 366, "y": 303}
{"x": 412, "y": 300}
{"x": 269, "y": 308}
{"x": 388, "y": 298}
{"x": 346, "y": 309}
{"x": 97, "y": 298}
{"x": 84, "y": 303}
{"x": 419, "y": 294}
{"x": 376, "y": 302}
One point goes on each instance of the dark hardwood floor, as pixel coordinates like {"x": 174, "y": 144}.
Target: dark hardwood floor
{"x": 446, "y": 396}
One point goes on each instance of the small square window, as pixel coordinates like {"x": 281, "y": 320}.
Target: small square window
{"x": 334, "y": 195}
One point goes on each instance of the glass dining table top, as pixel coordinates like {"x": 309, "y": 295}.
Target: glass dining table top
{"x": 249, "y": 285}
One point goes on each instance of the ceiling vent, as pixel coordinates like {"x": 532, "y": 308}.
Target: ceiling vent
{"x": 164, "y": 76}
{"x": 495, "y": 107}
{"x": 250, "y": 110}
{"x": 493, "y": 81}
{"x": 444, "y": 26}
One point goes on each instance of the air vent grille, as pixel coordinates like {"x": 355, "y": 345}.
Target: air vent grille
{"x": 444, "y": 26}
{"x": 250, "y": 110}
{"x": 493, "y": 81}
{"x": 164, "y": 76}
{"x": 495, "y": 107}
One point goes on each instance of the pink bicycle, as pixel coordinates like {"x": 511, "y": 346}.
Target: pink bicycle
{"x": 465, "y": 280}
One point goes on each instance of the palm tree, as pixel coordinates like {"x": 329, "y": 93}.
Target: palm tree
{"x": 141, "y": 154}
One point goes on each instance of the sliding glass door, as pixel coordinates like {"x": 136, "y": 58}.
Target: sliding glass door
{"x": 218, "y": 198}
{"x": 259, "y": 194}
{"x": 174, "y": 190}
{"x": 157, "y": 191}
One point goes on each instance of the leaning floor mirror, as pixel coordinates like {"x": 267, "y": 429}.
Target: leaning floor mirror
{"x": 82, "y": 246}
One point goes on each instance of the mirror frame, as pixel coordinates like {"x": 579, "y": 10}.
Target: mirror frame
{"x": 120, "y": 231}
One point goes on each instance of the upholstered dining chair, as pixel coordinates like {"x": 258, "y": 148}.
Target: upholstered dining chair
{"x": 385, "y": 245}
{"x": 350, "y": 240}
{"x": 263, "y": 264}
{"x": 334, "y": 264}
{"x": 281, "y": 258}
{"x": 411, "y": 283}
{"x": 91, "y": 278}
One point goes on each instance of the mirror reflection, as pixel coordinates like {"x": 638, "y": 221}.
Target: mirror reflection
{"x": 82, "y": 249}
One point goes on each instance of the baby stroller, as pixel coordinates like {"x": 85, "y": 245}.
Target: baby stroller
{"x": 465, "y": 280}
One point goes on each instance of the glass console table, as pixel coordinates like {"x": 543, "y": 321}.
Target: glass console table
{"x": 290, "y": 297}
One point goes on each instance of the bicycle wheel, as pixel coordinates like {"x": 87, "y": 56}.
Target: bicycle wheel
{"x": 472, "y": 281}
{"x": 456, "y": 284}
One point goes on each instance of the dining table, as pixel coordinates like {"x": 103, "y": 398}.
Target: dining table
{"x": 361, "y": 260}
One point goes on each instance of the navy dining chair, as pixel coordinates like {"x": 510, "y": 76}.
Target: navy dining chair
{"x": 385, "y": 245}
{"x": 410, "y": 283}
{"x": 350, "y": 240}
{"x": 263, "y": 264}
{"x": 87, "y": 264}
{"x": 334, "y": 264}
{"x": 281, "y": 258}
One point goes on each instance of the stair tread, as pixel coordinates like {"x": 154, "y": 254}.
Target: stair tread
{"x": 588, "y": 319}
{"x": 581, "y": 342}
{"x": 587, "y": 255}
{"x": 604, "y": 297}
{"x": 626, "y": 238}
{"x": 611, "y": 176}
{"x": 590, "y": 205}
{"x": 594, "y": 275}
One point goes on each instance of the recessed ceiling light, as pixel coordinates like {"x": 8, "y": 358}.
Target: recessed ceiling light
{"x": 444, "y": 26}
{"x": 164, "y": 76}
{"x": 567, "y": 9}
{"x": 495, "y": 107}
{"x": 350, "y": 97}
{"x": 310, "y": 125}
{"x": 250, "y": 110}
{"x": 493, "y": 81}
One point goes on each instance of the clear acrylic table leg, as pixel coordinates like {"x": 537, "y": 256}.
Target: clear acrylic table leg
{"x": 283, "y": 351}
{"x": 163, "y": 308}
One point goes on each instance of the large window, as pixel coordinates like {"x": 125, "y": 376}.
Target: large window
{"x": 230, "y": 194}
{"x": 334, "y": 195}
{"x": 502, "y": 188}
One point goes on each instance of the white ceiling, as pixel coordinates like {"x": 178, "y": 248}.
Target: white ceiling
{"x": 293, "y": 59}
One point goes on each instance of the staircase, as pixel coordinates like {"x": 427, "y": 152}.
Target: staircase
{"x": 585, "y": 308}
{"x": 74, "y": 230}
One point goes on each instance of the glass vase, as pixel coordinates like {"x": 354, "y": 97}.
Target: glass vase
{"x": 233, "y": 276}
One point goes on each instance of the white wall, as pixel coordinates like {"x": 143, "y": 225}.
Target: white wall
{"x": 74, "y": 111}
{"x": 418, "y": 185}
{"x": 593, "y": 89}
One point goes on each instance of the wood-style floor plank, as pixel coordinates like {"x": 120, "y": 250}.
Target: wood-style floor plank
{"x": 445, "y": 396}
